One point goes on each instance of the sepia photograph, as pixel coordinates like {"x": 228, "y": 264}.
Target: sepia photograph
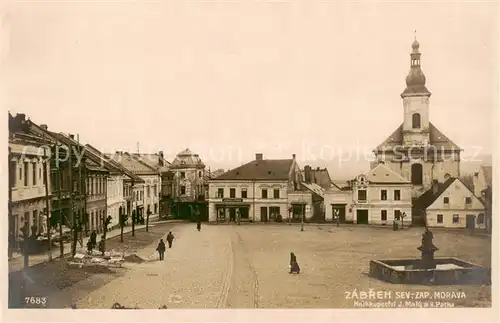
{"x": 239, "y": 155}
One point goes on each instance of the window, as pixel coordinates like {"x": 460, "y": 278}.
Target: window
{"x": 183, "y": 175}
{"x": 415, "y": 121}
{"x": 276, "y": 193}
{"x": 12, "y": 173}
{"x": 446, "y": 200}
{"x": 20, "y": 173}
{"x": 264, "y": 193}
{"x": 156, "y": 208}
{"x": 439, "y": 218}
{"x": 40, "y": 173}
{"x": 362, "y": 195}
{"x": 220, "y": 193}
{"x": 383, "y": 215}
{"x": 232, "y": 193}
{"x": 199, "y": 174}
{"x": 383, "y": 195}
{"x": 155, "y": 190}
{"x": 91, "y": 186}
{"x": 36, "y": 220}
{"x": 183, "y": 190}
{"x": 480, "y": 218}
{"x": 416, "y": 174}
{"x": 244, "y": 193}
{"x": 26, "y": 173}
{"x": 397, "y": 215}
{"x": 148, "y": 191}
{"x": 456, "y": 218}
{"x": 468, "y": 200}
{"x": 397, "y": 195}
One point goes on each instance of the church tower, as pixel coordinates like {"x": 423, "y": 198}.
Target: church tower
{"x": 416, "y": 103}
{"x": 417, "y": 150}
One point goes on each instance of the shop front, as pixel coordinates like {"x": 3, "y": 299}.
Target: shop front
{"x": 230, "y": 210}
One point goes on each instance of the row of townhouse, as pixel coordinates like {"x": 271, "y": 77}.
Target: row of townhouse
{"x": 53, "y": 178}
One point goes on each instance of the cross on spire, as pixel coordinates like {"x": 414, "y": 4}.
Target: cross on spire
{"x": 415, "y": 33}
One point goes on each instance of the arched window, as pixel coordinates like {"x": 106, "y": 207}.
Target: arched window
{"x": 416, "y": 174}
{"x": 415, "y": 121}
{"x": 480, "y": 218}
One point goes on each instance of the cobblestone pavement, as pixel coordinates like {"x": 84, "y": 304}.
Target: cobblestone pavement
{"x": 196, "y": 273}
{"x": 336, "y": 260}
{"x": 62, "y": 285}
{"x": 247, "y": 267}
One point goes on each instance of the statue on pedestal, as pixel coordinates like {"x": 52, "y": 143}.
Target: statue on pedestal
{"x": 427, "y": 249}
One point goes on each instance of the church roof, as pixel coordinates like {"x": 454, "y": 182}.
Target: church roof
{"x": 383, "y": 174}
{"x": 265, "y": 169}
{"x": 437, "y": 140}
{"x": 187, "y": 159}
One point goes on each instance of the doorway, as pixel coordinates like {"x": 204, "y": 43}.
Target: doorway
{"x": 263, "y": 214}
{"x": 470, "y": 221}
{"x": 362, "y": 216}
{"x": 338, "y": 210}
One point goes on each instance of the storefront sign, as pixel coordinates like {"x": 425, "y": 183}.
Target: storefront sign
{"x": 232, "y": 200}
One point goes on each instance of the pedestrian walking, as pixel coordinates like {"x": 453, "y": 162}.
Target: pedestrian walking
{"x": 294, "y": 265}
{"x": 170, "y": 239}
{"x": 198, "y": 225}
{"x": 161, "y": 249}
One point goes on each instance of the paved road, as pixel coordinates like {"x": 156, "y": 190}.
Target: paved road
{"x": 196, "y": 273}
{"x": 246, "y": 267}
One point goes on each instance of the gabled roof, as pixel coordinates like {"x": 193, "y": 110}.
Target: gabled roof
{"x": 153, "y": 160}
{"x": 315, "y": 188}
{"x": 265, "y": 169}
{"x": 113, "y": 164}
{"x": 436, "y": 139}
{"x": 488, "y": 174}
{"x": 383, "y": 174}
{"x": 425, "y": 200}
{"x": 132, "y": 164}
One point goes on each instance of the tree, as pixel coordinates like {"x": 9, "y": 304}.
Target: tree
{"x": 468, "y": 180}
{"x": 107, "y": 222}
{"x": 123, "y": 220}
{"x": 148, "y": 213}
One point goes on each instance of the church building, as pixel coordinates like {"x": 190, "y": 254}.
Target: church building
{"x": 417, "y": 150}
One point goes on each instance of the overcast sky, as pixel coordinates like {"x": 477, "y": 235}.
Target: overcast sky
{"x": 239, "y": 77}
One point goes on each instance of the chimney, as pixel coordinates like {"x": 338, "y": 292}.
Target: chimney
{"x": 44, "y": 127}
{"x": 21, "y": 117}
{"x": 160, "y": 159}
{"x": 72, "y": 136}
{"x": 259, "y": 156}
{"x": 307, "y": 174}
{"x": 293, "y": 155}
{"x": 435, "y": 186}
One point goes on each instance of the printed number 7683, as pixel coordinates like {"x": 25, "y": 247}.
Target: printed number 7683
{"x": 35, "y": 300}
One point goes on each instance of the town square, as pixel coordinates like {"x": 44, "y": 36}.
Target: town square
{"x": 284, "y": 164}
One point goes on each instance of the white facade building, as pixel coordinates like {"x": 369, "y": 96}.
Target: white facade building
{"x": 28, "y": 182}
{"x": 260, "y": 191}
{"x": 452, "y": 205}
{"x": 377, "y": 197}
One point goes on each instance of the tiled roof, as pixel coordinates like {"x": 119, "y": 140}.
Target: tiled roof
{"x": 132, "y": 164}
{"x": 315, "y": 188}
{"x": 383, "y": 174}
{"x": 111, "y": 163}
{"x": 187, "y": 158}
{"x": 320, "y": 177}
{"x": 266, "y": 169}
{"x": 437, "y": 139}
{"x": 153, "y": 160}
{"x": 488, "y": 175}
{"x": 425, "y": 200}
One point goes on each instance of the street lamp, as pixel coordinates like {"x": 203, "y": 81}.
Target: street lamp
{"x": 303, "y": 211}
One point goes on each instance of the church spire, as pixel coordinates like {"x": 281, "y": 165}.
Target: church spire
{"x": 415, "y": 81}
